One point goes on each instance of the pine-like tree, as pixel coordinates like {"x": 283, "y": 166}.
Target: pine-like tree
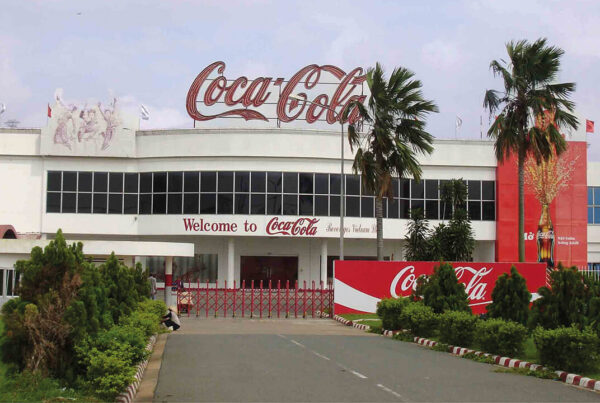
{"x": 510, "y": 298}
{"x": 417, "y": 238}
{"x": 443, "y": 292}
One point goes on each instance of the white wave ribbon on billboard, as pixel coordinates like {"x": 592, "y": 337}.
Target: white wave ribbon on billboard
{"x": 354, "y": 299}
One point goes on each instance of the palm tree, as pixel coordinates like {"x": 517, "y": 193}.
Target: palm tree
{"x": 395, "y": 115}
{"x": 529, "y": 92}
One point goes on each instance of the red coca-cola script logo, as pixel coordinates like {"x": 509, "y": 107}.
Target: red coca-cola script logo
{"x": 253, "y": 94}
{"x": 302, "y": 226}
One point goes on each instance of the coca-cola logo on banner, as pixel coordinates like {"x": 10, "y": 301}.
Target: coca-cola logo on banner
{"x": 299, "y": 227}
{"x": 359, "y": 285}
{"x": 244, "y": 97}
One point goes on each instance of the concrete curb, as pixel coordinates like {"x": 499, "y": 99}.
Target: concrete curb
{"x": 570, "y": 379}
{"x": 129, "y": 394}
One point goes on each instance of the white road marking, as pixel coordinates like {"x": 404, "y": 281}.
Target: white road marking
{"x": 361, "y": 376}
{"x": 320, "y": 355}
{"x": 398, "y": 395}
{"x": 298, "y": 344}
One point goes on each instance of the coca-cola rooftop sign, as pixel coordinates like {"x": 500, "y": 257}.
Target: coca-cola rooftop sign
{"x": 324, "y": 92}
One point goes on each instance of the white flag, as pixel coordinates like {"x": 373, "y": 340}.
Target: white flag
{"x": 458, "y": 122}
{"x": 144, "y": 114}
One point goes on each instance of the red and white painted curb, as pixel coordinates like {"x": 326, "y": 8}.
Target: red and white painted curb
{"x": 129, "y": 394}
{"x": 571, "y": 379}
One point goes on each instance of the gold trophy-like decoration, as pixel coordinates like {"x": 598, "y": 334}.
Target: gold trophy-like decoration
{"x": 547, "y": 179}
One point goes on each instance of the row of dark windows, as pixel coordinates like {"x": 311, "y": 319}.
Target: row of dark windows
{"x": 272, "y": 193}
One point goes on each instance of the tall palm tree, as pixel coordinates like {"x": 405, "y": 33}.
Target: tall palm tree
{"x": 529, "y": 91}
{"x": 395, "y": 115}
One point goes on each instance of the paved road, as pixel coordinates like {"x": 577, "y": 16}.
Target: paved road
{"x": 235, "y": 360}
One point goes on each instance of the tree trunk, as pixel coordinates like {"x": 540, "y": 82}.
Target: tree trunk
{"x": 521, "y": 164}
{"x": 379, "y": 217}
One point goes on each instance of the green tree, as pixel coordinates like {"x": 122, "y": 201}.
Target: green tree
{"x": 457, "y": 237}
{"x": 417, "y": 237}
{"x": 453, "y": 195}
{"x": 125, "y": 286}
{"x": 563, "y": 303}
{"x": 510, "y": 298}
{"x": 529, "y": 91}
{"x": 395, "y": 114}
{"x": 443, "y": 292}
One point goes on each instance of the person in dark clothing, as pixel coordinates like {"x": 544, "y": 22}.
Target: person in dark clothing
{"x": 171, "y": 319}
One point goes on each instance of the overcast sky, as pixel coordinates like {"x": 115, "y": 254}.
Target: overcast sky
{"x": 150, "y": 52}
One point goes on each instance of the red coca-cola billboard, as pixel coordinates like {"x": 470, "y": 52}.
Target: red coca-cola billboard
{"x": 359, "y": 285}
{"x": 555, "y": 209}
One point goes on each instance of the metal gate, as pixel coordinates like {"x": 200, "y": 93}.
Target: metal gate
{"x": 256, "y": 300}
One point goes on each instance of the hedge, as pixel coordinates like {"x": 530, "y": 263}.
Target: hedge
{"x": 389, "y": 310}
{"x": 502, "y": 337}
{"x": 567, "y": 348}
{"x": 457, "y": 328}
{"x": 420, "y": 319}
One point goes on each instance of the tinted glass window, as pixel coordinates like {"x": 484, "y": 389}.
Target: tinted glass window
{"x": 367, "y": 207}
{"x": 393, "y": 208}
{"x": 145, "y": 204}
{"x": 54, "y": 181}
{"x": 225, "y": 182}
{"x": 396, "y": 186}
{"x": 100, "y": 203}
{"x": 115, "y": 182}
{"x": 352, "y": 185}
{"x": 174, "y": 203}
{"x": 131, "y": 183}
{"x": 334, "y": 206}
{"x": 191, "y": 182}
{"x": 242, "y": 181}
{"x": 590, "y": 194}
{"x": 417, "y": 189}
{"x": 290, "y": 204}
{"x": 258, "y": 182}
{"x": 69, "y": 181}
{"x": 159, "y": 203}
{"x": 146, "y": 182}
{"x": 431, "y": 209}
{"x": 417, "y": 204}
{"x": 257, "y": 203}
{"x": 487, "y": 190}
{"x": 242, "y": 203}
{"x": 160, "y": 183}
{"x": 475, "y": 210}
{"x": 190, "y": 203}
{"x": 488, "y": 211}
{"x": 100, "y": 181}
{"x": 590, "y": 215}
{"x": 353, "y": 206}
{"x": 474, "y": 190}
{"x": 84, "y": 203}
{"x": 321, "y": 206}
{"x": 596, "y": 195}
{"x": 431, "y": 189}
{"x": 290, "y": 182}
{"x": 305, "y": 205}
{"x": 225, "y": 203}
{"x": 274, "y": 204}
{"x": 334, "y": 184}
{"x": 175, "y": 182}
{"x": 208, "y": 182}
{"x": 85, "y": 182}
{"x": 404, "y": 208}
{"x": 208, "y": 203}
{"x": 69, "y": 201}
{"x": 306, "y": 183}
{"x": 321, "y": 183}
{"x": 130, "y": 204}
{"x": 596, "y": 215}
{"x": 405, "y": 188}
{"x": 115, "y": 203}
{"x": 274, "y": 182}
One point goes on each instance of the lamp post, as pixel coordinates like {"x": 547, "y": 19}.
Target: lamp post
{"x": 342, "y": 178}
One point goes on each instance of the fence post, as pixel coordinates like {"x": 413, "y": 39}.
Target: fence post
{"x": 304, "y": 301}
{"x": 207, "y": 299}
{"x": 243, "y": 296}
{"x": 296, "y": 300}
{"x": 287, "y": 299}
{"x": 321, "y": 301}
{"x": 260, "y": 299}
{"x": 312, "y": 304}
{"x": 269, "y": 299}
{"x": 216, "y": 298}
{"x": 278, "y": 292}
{"x": 252, "y": 299}
{"x": 198, "y": 298}
{"x": 225, "y": 300}
{"x": 234, "y": 295}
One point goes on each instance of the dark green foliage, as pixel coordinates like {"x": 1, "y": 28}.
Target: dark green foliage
{"x": 417, "y": 238}
{"x": 453, "y": 193}
{"x": 121, "y": 287}
{"x": 389, "y": 310}
{"x": 420, "y": 319}
{"x": 567, "y": 348}
{"x": 457, "y": 328}
{"x": 502, "y": 337}
{"x": 564, "y": 303}
{"x": 456, "y": 239}
{"x": 510, "y": 298}
{"x": 443, "y": 292}
{"x": 592, "y": 296}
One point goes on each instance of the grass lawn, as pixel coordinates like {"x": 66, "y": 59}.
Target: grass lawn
{"x": 34, "y": 388}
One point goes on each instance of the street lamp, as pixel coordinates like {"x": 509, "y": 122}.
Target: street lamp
{"x": 342, "y": 178}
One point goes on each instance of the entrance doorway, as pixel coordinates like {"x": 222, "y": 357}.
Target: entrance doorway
{"x": 265, "y": 268}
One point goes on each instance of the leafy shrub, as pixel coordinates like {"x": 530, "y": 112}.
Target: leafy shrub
{"x": 443, "y": 292}
{"x": 563, "y": 303}
{"x": 500, "y": 337}
{"x": 510, "y": 298}
{"x": 389, "y": 310}
{"x": 567, "y": 348}
{"x": 145, "y": 321}
{"x": 420, "y": 319}
{"x": 457, "y": 328}
{"x": 108, "y": 373}
{"x": 155, "y": 307}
